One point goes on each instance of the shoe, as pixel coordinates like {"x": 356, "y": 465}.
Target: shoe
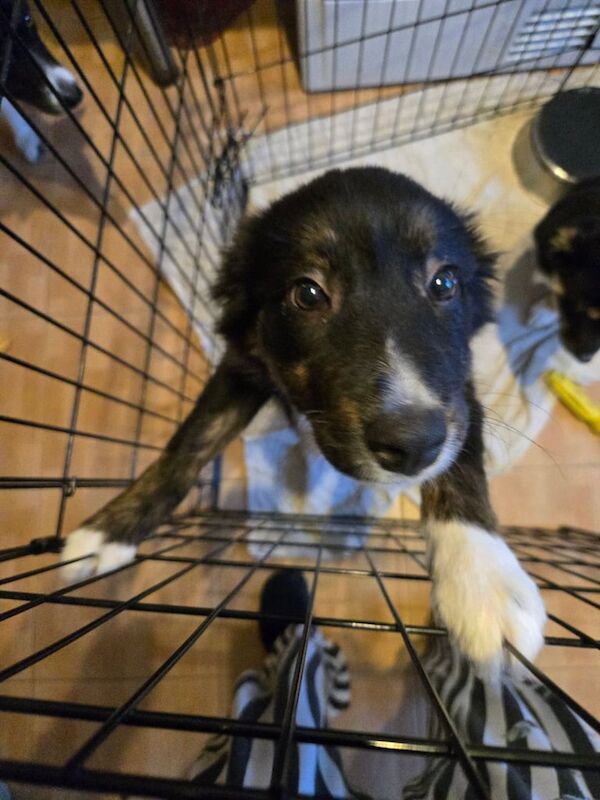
{"x": 284, "y": 593}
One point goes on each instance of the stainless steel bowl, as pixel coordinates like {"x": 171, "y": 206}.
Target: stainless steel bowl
{"x": 560, "y": 146}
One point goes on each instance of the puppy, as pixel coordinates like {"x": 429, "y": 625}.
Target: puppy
{"x": 568, "y": 254}
{"x": 353, "y": 301}
{"x": 32, "y": 76}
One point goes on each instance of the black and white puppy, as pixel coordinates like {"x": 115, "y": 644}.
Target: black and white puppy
{"x": 33, "y": 76}
{"x": 353, "y": 300}
{"x": 568, "y": 257}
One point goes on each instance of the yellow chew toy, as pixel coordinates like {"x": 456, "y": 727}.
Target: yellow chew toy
{"x": 575, "y": 399}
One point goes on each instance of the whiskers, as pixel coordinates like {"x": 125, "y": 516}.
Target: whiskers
{"x": 493, "y": 423}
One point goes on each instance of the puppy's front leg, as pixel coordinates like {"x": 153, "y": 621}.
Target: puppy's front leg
{"x": 480, "y": 590}
{"x": 230, "y": 399}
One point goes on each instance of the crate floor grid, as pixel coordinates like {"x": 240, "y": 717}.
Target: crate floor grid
{"x": 166, "y": 626}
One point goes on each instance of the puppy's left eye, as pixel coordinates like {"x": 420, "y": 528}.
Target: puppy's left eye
{"x": 308, "y": 296}
{"x": 443, "y": 286}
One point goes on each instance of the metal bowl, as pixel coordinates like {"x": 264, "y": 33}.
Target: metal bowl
{"x": 560, "y": 146}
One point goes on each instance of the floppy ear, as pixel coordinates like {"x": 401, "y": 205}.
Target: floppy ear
{"x": 481, "y": 291}
{"x": 235, "y": 288}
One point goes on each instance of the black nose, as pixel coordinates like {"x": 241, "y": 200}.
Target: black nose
{"x": 407, "y": 440}
{"x": 585, "y": 355}
{"x": 582, "y": 347}
{"x": 70, "y": 94}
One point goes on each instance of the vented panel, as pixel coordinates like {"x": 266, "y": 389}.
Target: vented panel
{"x": 347, "y": 43}
{"x": 547, "y": 33}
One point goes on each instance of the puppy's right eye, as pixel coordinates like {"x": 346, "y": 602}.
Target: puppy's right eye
{"x": 307, "y": 295}
{"x": 443, "y": 286}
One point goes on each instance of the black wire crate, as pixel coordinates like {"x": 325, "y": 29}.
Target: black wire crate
{"x": 192, "y": 596}
{"x": 114, "y": 210}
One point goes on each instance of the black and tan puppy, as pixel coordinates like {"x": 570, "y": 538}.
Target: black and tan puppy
{"x": 568, "y": 251}
{"x": 353, "y": 300}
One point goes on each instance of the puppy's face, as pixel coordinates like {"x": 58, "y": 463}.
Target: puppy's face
{"x": 360, "y": 292}
{"x": 32, "y": 67}
{"x": 569, "y": 260}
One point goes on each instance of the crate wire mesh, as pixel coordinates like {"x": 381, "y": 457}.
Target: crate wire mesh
{"x": 215, "y": 542}
{"x": 110, "y": 363}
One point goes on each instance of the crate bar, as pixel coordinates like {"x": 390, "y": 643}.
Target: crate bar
{"x": 71, "y": 431}
{"x": 122, "y": 96}
{"x": 204, "y": 611}
{"x": 359, "y": 64}
{"x": 42, "y": 545}
{"x": 90, "y": 294}
{"x": 438, "y": 39}
{"x": 90, "y": 142}
{"x": 159, "y": 272}
{"x": 260, "y": 83}
{"x": 79, "y": 181}
{"x": 381, "y": 83}
{"x": 183, "y": 58}
{"x": 116, "y": 718}
{"x": 555, "y": 689}
{"x": 567, "y": 589}
{"x": 582, "y": 635}
{"x": 219, "y": 113}
{"x": 288, "y": 724}
{"x": 569, "y": 70}
{"x": 209, "y": 159}
{"x": 102, "y": 781}
{"x": 90, "y": 343}
{"x": 73, "y": 229}
{"x": 59, "y": 644}
{"x": 48, "y": 373}
{"x": 333, "y": 94}
{"x": 230, "y": 75}
{"x": 46, "y": 598}
{"x": 284, "y": 80}
{"x": 254, "y": 616}
{"x": 72, "y": 484}
{"x": 414, "y": 28}
{"x": 164, "y": 720}
{"x": 156, "y": 116}
{"x": 470, "y": 770}
{"x": 553, "y": 563}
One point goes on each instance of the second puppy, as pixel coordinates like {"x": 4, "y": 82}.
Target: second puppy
{"x": 568, "y": 250}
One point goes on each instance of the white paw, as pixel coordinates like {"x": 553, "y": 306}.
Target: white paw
{"x": 482, "y": 593}
{"x": 95, "y": 555}
{"x": 30, "y": 145}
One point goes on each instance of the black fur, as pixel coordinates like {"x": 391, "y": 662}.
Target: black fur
{"x": 372, "y": 238}
{"x": 568, "y": 249}
{"x": 369, "y": 234}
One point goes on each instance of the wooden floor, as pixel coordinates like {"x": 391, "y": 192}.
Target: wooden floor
{"x": 50, "y": 266}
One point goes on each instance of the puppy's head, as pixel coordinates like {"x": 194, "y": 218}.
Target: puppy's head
{"x": 359, "y": 293}
{"x": 568, "y": 248}
{"x": 32, "y": 67}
